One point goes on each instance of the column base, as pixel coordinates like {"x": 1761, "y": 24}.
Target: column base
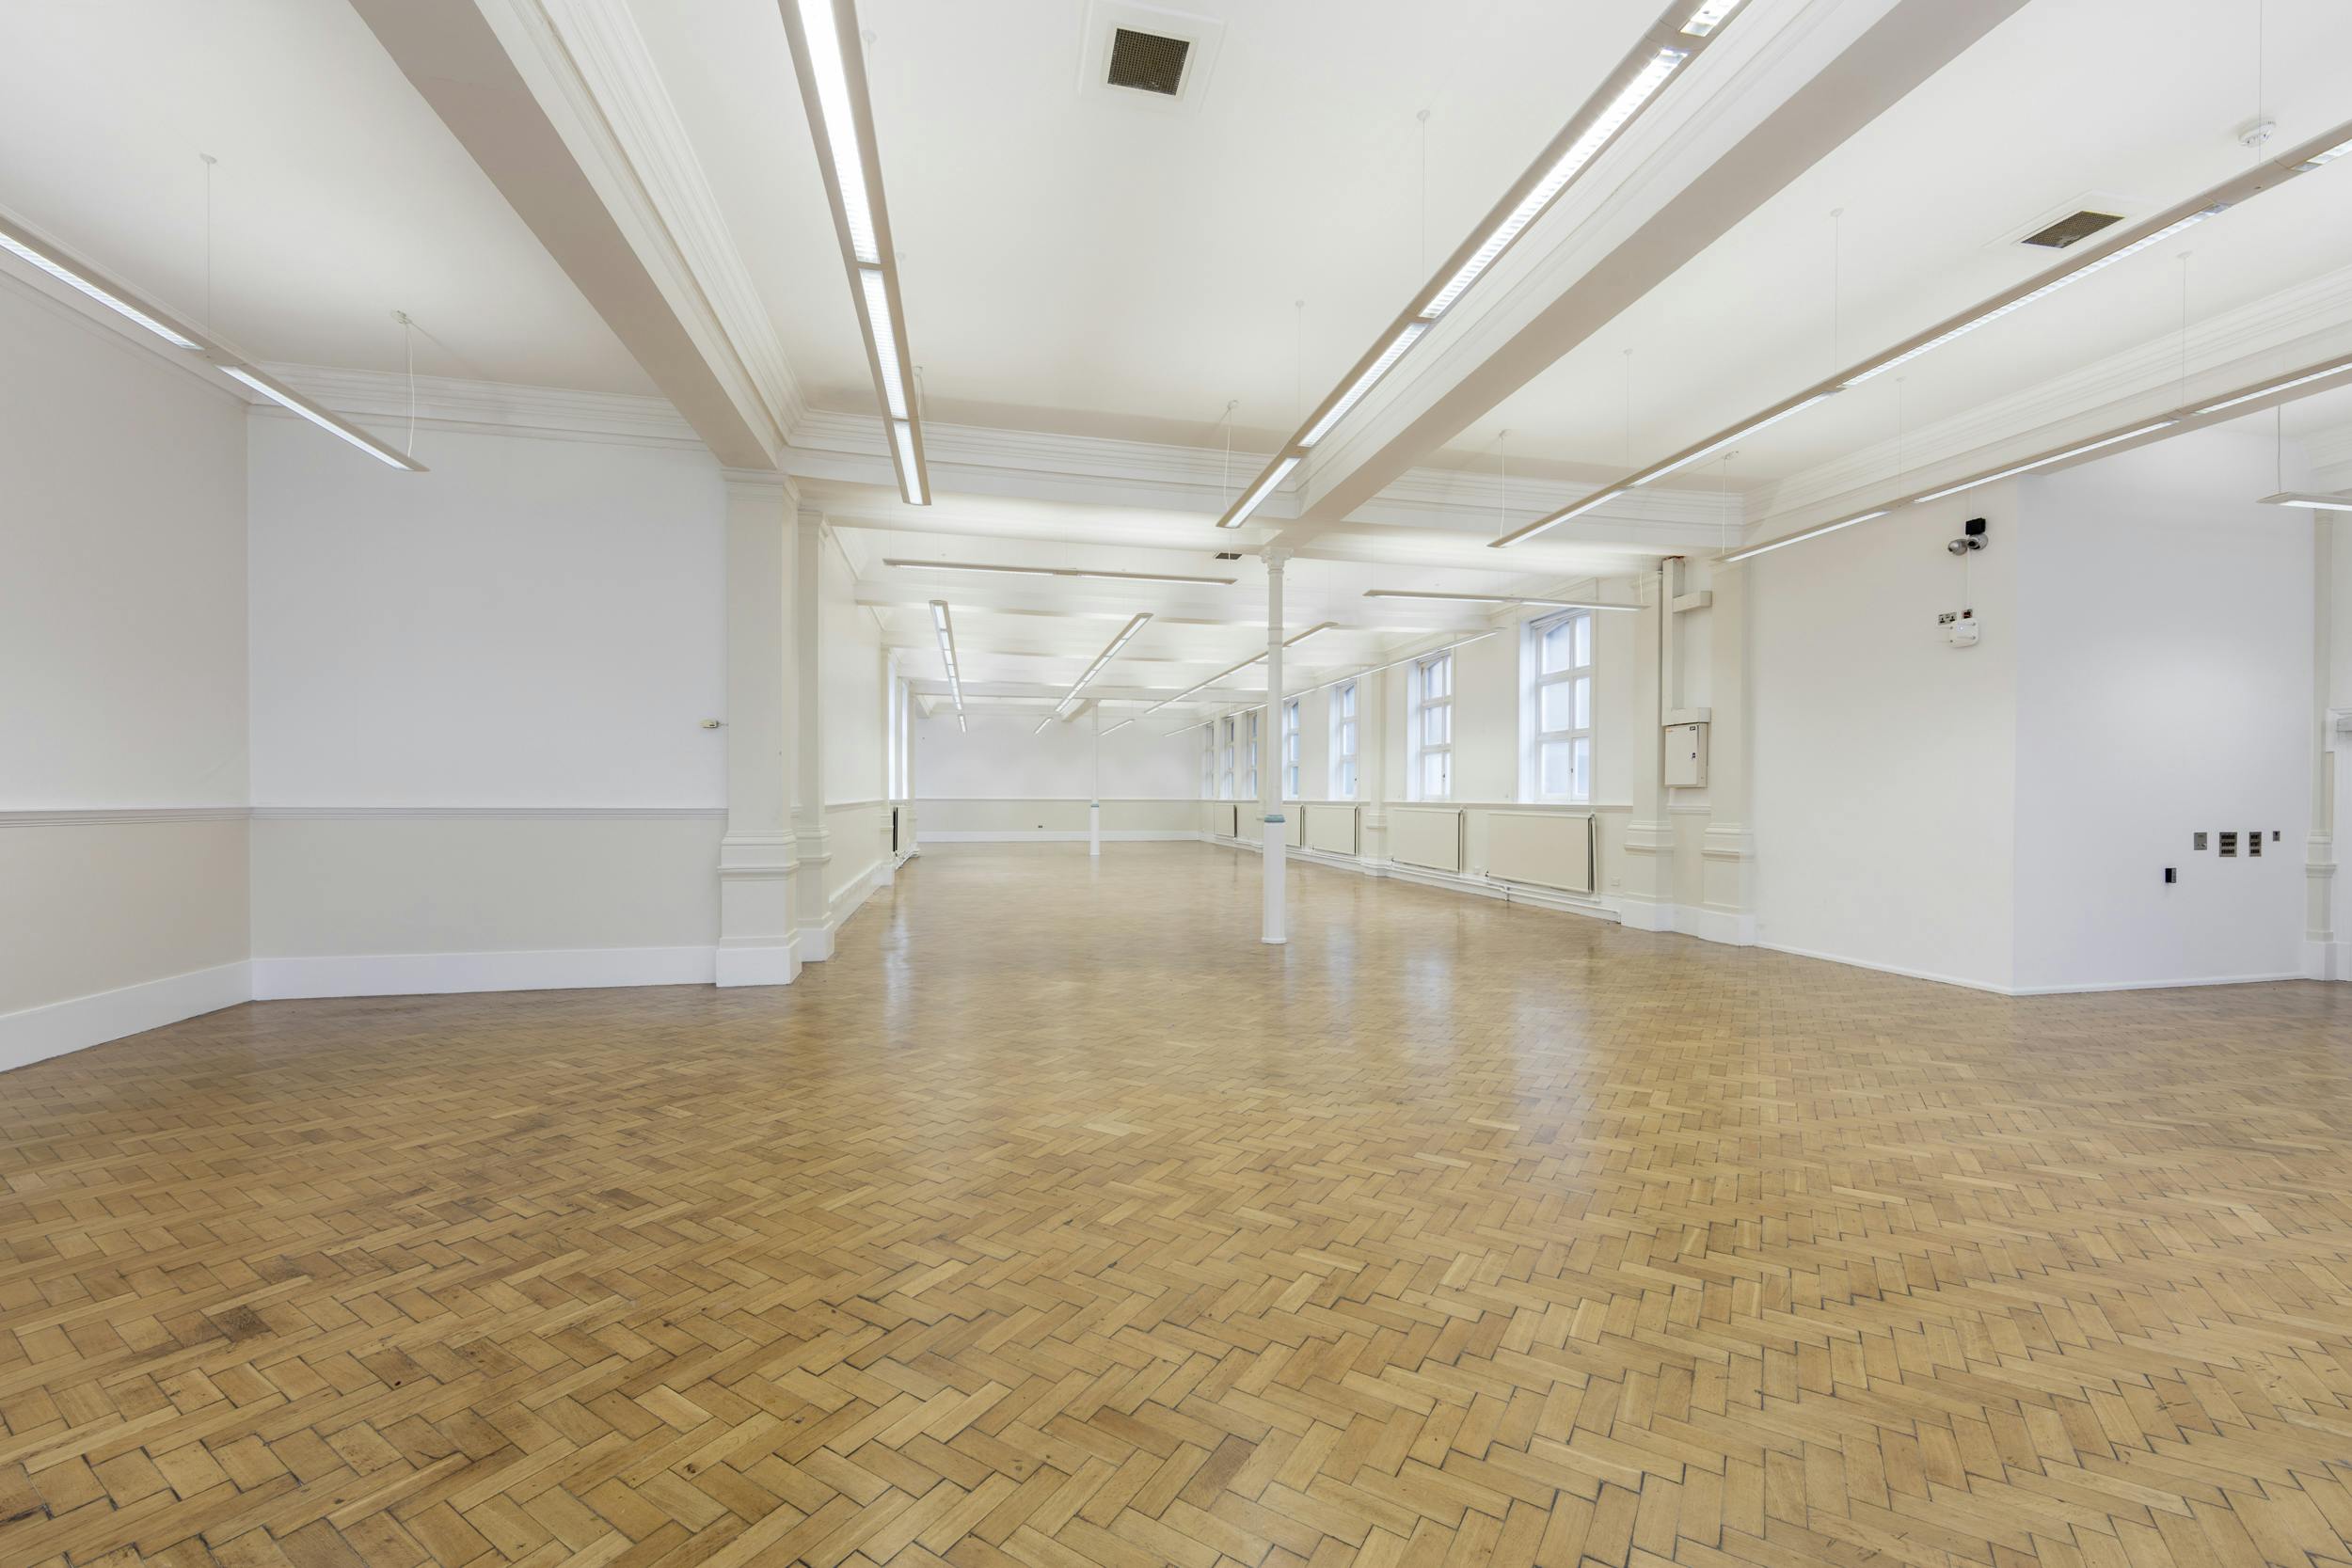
{"x": 763, "y": 963}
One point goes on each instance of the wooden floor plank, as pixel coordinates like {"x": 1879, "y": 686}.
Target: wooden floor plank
{"x": 1057, "y": 1221}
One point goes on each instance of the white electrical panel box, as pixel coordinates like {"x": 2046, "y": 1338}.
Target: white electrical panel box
{"x": 1685, "y": 756}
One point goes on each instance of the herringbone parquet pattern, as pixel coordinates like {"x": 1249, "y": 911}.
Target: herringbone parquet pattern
{"x": 1058, "y": 1223}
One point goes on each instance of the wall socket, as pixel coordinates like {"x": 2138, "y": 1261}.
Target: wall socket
{"x": 1961, "y": 627}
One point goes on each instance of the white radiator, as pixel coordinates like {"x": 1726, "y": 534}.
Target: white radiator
{"x": 1426, "y": 837}
{"x": 1332, "y": 829}
{"x": 1543, "y": 848}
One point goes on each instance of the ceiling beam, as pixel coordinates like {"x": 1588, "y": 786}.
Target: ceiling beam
{"x": 450, "y": 51}
{"x": 1911, "y": 42}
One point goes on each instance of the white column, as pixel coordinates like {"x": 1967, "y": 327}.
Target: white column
{"x": 757, "y": 864}
{"x": 1372, "y": 770}
{"x": 813, "y": 844}
{"x": 1094, "y": 810}
{"x": 1647, "y": 903}
{"x": 1727, "y": 849}
{"x": 1269, "y": 772}
{"x": 2323, "y": 955}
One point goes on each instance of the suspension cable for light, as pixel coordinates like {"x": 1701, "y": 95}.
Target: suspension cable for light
{"x": 126, "y": 302}
{"x": 831, "y": 64}
{"x": 1669, "y": 43}
{"x": 1110, "y": 652}
{"x": 947, "y": 630}
{"x": 1257, "y": 659}
{"x": 2091, "y": 255}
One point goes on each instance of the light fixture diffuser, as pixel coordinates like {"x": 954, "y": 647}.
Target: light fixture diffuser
{"x": 1801, "y": 537}
{"x": 1266, "y": 484}
{"x": 29, "y": 247}
{"x": 827, "y": 57}
{"x": 342, "y": 429}
{"x": 2012, "y": 472}
{"x": 2305, "y": 498}
{"x": 1494, "y": 598}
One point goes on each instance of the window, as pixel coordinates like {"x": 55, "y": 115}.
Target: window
{"x": 1208, "y": 763}
{"x": 1344, "y": 742}
{"x": 1252, "y": 793}
{"x": 1290, "y": 749}
{"x": 1560, "y": 708}
{"x": 1225, "y": 783}
{"x": 1432, "y": 719}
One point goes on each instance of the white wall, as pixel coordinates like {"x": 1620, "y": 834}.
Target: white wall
{"x": 1000, "y": 760}
{"x": 478, "y": 699}
{"x": 851, "y": 669}
{"x": 123, "y": 685}
{"x": 1885, "y": 760}
{"x": 2165, "y": 686}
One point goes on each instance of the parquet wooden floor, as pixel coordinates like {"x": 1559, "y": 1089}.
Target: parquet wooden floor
{"x": 1057, "y": 1222}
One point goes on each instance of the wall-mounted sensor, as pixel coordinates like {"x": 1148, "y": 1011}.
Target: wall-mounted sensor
{"x": 2229, "y": 845}
{"x": 1971, "y": 537}
{"x": 2171, "y": 874}
{"x": 2199, "y": 841}
{"x": 2254, "y": 842}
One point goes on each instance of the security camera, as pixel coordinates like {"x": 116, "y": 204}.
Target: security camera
{"x": 1962, "y": 547}
{"x": 1972, "y": 537}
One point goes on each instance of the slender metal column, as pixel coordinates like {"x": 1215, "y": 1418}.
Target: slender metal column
{"x": 1269, "y": 736}
{"x": 1094, "y": 810}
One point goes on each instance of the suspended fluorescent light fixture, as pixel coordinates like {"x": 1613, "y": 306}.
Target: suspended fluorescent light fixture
{"x": 831, "y": 70}
{"x": 2149, "y": 429}
{"x": 1800, "y": 537}
{"x": 1494, "y": 598}
{"x": 1058, "y": 572}
{"x": 1265, "y": 487}
{"x": 1670, "y": 42}
{"x": 1221, "y": 674}
{"x": 1565, "y": 167}
{"x": 2304, "y": 498}
{"x": 27, "y": 247}
{"x": 945, "y": 629}
{"x": 342, "y": 429}
{"x": 1740, "y": 433}
{"x": 2071, "y": 275}
{"x": 2303, "y": 380}
{"x": 1134, "y": 624}
{"x": 2094, "y": 256}
{"x": 1409, "y": 658}
{"x": 1709, "y": 17}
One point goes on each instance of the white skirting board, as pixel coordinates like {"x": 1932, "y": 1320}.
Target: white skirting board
{"x": 1057, "y": 835}
{"x": 52, "y": 1030}
{"x": 437, "y": 974}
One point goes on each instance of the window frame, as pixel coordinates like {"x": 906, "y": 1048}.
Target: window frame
{"x": 1346, "y": 736}
{"x": 1224, "y": 778}
{"x": 1419, "y": 711}
{"x": 1294, "y": 746}
{"x": 1583, "y": 636}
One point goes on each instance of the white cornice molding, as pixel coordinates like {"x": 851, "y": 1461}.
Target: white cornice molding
{"x": 494, "y": 408}
{"x": 2306, "y": 321}
{"x": 589, "y": 67}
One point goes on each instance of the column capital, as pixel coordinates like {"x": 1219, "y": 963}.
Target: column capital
{"x": 761, "y": 482}
{"x": 1276, "y": 557}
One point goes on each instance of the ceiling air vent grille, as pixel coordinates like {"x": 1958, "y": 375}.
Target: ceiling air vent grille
{"x": 1229, "y": 555}
{"x": 2074, "y": 226}
{"x": 1147, "y": 62}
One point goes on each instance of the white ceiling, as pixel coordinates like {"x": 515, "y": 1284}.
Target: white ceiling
{"x": 1077, "y": 263}
{"x": 339, "y": 197}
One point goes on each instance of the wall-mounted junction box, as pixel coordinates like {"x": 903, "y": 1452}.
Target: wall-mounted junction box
{"x": 1685, "y": 756}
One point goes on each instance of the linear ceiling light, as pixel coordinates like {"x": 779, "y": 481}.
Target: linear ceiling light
{"x": 947, "y": 630}
{"x": 1135, "y": 624}
{"x": 1266, "y": 484}
{"x": 1670, "y": 42}
{"x": 2148, "y": 429}
{"x": 831, "y": 70}
{"x": 2305, "y": 379}
{"x": 1058, "y": 572}
{"x": 1799, "y": 538}
{"x": 1494, "y": 598}
{"x": 2091, "y": 256}
{"x": 287, "y": 399}
{"x": 1255, "y": 658}
{"x": 1409, "y": 658}
{"x": 2304, "y": 498}
{"x": 29, "y": 247}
